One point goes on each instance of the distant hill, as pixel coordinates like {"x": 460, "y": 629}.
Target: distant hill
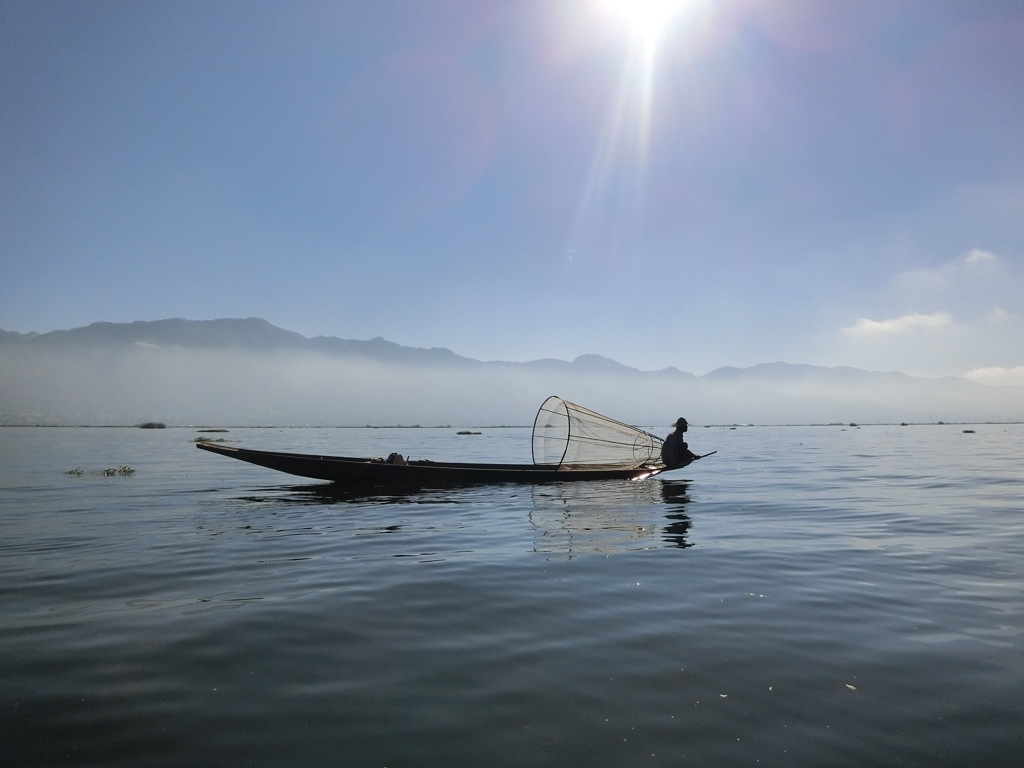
{"x": 251, "y": 334}
{"x": 248, "y": 371}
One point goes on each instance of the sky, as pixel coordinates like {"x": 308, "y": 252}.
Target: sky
{"x": 692, "y": 184}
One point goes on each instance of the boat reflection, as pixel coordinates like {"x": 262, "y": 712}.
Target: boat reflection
{"x": 333, "y": 493}
{"x": 568, "y": 519}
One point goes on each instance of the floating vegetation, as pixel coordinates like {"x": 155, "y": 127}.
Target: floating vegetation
{"x": 213, "y": 430}
{"x": 123, "y": 471}
{"x": 153, "y": 425}
{"x": 210, "y": 439}
{"x": 466, "y": 432}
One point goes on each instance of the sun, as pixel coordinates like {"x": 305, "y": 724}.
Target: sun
{"x": 646, "y": 18}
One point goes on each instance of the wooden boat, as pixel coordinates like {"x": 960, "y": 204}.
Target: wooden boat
{"x": 424, "y": 473}
{"x": 569, "y": 443}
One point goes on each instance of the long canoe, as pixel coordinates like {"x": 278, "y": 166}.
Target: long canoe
{"x": 376, "y": 472}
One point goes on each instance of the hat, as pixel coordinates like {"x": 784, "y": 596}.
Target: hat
{"x": 681, "y": 422}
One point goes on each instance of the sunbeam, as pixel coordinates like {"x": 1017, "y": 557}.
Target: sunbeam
{"x": 611, "y": 206}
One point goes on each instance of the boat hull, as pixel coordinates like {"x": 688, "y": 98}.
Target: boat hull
{"x": 374, "y": 472}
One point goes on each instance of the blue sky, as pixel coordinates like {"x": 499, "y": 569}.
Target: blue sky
{"x": 815, "y": 182}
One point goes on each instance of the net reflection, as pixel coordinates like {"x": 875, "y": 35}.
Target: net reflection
{"x": 605, "y": 517}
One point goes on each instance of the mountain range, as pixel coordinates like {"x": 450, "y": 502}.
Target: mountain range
{"x": 248, "y": 371}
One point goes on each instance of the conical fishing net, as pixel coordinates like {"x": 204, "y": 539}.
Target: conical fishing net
{"x": 572, "y": 437}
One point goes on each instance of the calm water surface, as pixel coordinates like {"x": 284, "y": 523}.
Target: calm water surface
{"x": 807, "y": 596}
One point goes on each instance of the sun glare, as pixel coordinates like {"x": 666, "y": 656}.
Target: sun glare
{"x": 646, "y": 18}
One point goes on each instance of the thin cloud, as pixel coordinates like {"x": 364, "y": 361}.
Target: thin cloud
{"x": 974, "y": 264}
{"x": 865, "y": 327}
{"x": 979, "y": 257}
{"x": 1000, "y": 315}
{"x": 963, "y": 319}
{"x": 998, "y": 376}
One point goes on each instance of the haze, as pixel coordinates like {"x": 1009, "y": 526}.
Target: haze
{"x": 248, "y": 372}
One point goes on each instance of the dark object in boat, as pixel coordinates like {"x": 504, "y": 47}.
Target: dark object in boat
{"x": 569, "y": 443}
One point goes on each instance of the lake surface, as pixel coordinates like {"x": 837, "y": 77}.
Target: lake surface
{"x": 808, "y": 596}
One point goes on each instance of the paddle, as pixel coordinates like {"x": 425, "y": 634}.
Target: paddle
{"x": 668, "y": 469}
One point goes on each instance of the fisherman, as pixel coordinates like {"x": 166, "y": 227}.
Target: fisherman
{"x": 674, "y": 451}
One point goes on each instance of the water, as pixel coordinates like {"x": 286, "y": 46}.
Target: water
{"x": 808, "y": 596}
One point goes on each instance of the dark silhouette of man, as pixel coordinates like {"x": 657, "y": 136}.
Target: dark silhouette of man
{"x": 675, "y": 452}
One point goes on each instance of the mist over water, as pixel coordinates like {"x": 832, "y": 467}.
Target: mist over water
{"x": 226, "y": 386}
{"x": 807, "y": 596}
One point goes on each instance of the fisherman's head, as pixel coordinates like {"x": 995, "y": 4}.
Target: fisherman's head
{"x": 681, "y": 424}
